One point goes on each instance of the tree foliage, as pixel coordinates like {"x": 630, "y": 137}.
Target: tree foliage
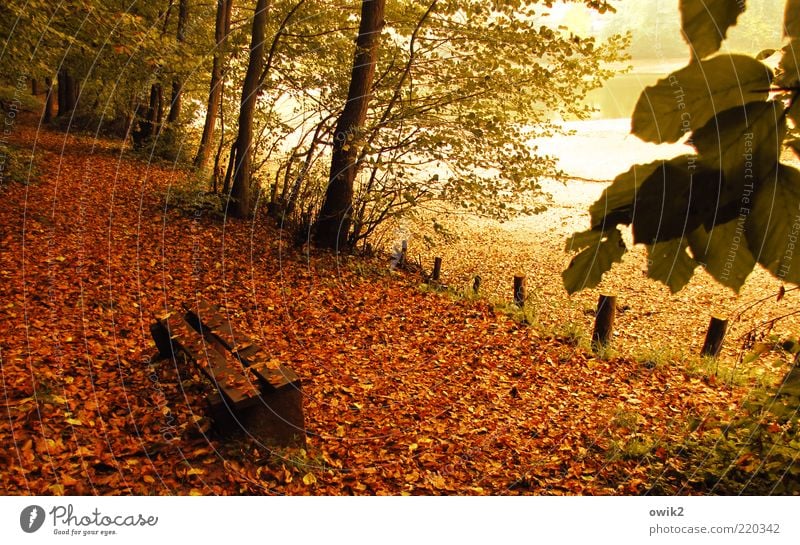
{"x": 457, "y": 99}
{"x": 731, "y": 204}
{"x": 460, "y": 89}
{"x": 656, "y": 26}
{"x": 115, "y": 52}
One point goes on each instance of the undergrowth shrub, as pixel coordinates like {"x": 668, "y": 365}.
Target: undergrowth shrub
{"x": 192, "y": 198}
{"x": 16, "y": 165}
{"x": 755, "y": 450}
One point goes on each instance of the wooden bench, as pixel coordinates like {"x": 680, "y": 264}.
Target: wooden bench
{"x": 254, "y": 394}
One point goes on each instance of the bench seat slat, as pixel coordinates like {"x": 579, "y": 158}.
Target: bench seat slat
{"x": 221, "y": 369}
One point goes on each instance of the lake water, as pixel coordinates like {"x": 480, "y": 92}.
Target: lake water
{"x": 602, "y": 147}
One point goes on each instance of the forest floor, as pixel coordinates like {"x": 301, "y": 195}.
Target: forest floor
{"x": 651, "y": 322}
{"x": 406, "y": 390}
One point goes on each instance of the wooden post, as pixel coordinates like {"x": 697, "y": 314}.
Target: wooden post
{"x": 476, "y": 284}
{"x": 604, "y": 321}
{"x": 437, "y": 269}
{"x": 519, "y": 290}
{"x": 714, "y": 337}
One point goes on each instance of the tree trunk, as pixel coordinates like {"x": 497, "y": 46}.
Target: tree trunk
{"x": 34, "y": 86}
{"x": 152, "y": 123}
{"x": 333, "y": 222}
{"x": 69, "y": 92}
{"x": 175, "y": 101}
{"x": 177, "y": 84}
{"x": 221, "y": 30}
{"x": 49, "y": 101}
{"x": 217, "y": 156}
{"x": 66, "y": 92}
{"x": 60, "y": 85}
{"x": 158, "y": 110}
{"x": 226, "y": 184}
{"x": 239, "y": 205}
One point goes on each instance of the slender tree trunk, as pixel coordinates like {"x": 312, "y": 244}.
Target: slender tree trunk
{"x": 66, "y": 92}
{"x": 34, "y": 86}
{"x": 177, "y": 84}
{"x": 69, "y": 93}
{"x": 49, "y": 101}
{"x": 218, "y": 175}
{"x": 175, "y": 102}
{"x": 221, "y": 30}
{"x": 240, "y": 192}
{"x": 158, "y": 110}
{"x": 60, "y": 88}
{"x": 226, "y": 184}
{"x": 333, "y": 222}
{"x": 152, "y": 123}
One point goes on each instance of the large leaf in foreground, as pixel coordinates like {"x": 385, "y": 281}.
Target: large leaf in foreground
{"x": 676, "y": 199}
{"x": 744, "y": 142}
{"x": 615, "y": 205}
{"x": 788, "y": 73}
{"x": 601, "y": 249}
{"x": 791, "y": 19}
{"x": 705, "y": 23}
{"x": 669, "y": 263}
{"x": 723, "y": 251}
{"x": 773, "y": 225}
{"x": 690, "y": 97}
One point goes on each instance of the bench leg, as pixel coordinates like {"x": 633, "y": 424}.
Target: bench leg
{"x": 276, "y": 420}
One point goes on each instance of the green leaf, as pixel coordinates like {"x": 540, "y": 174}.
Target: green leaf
{"x": 794, "y": 145}
{"x": 744, "y": 142}
{"x": 791, "y": 383}
{"x": 724, "y": 253}
{"x": 788, "y": 74}
{"x": 584, "y": 239}
{"x": 791, "y": 346}
{"x": 793, "y": 113}
{"x": 687, "y": 99}
{"x": 757, "y": 351}
{"x": 615, "y": 205}
{"x": 669, "y": 263}
{"x": 601, "y": 250}
{"x": 791, "y": 19}
{"x": 676, "y": 199}
{"x": 705, "y": 23}
{"x": 773, "y": 226}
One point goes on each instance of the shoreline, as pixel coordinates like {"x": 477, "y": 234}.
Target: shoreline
{"x": 651, "y": 319}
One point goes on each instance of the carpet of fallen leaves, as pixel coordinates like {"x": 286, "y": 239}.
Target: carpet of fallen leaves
{"x": 651, "y": 321}
{"x": 405, "y": 390}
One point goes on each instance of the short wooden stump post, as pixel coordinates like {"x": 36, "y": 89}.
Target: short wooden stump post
{"x": 604, "y": 321}
{"x": 437, "y": 269}
{"x": 476, "y": 284}
{"x": 519, "y": 290}
{"x": 712, "y": 346}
